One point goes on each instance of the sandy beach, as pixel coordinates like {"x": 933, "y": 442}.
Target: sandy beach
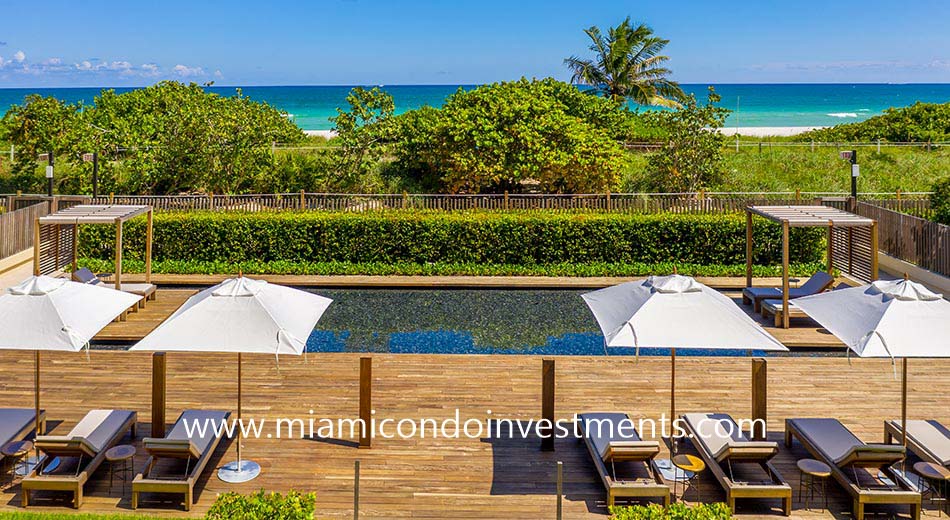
{"x": 766, "y": 131}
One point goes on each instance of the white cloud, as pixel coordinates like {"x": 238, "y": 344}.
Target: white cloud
{"x": 51, "y": 61}
{"x": 217, "y": 74}
{"x": 19, "y": 56}
{"x": 187, "y": 72}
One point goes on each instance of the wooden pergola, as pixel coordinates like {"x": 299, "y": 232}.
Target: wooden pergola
{"x": 96, "y": 214}
{"x": 807, "y": 216}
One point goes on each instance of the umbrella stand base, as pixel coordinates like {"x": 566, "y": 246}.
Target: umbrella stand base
{"x": 233, "y": 473}
{"x": 26, "y": 466}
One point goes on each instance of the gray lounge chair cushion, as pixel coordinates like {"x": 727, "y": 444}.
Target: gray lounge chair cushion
{"x": 178, "y": 439}
{"x": 931, "y": 436}
{"x": 13, "y": 421}
{"x": 721, "y": 436}
{"x": 84, "y": 275}
{"x": 614, "y": 437}
{"x": 817, "y": 283}
{"x": 90, "y": 436}
{"x": 841, "y": 447}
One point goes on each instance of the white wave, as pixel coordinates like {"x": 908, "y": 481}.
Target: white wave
{"x": 842, "y": 114}
{"x": 864, "y": 110}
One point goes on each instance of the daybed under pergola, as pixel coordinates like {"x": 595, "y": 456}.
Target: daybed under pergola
{"x": 70, "y": 219}
{"x": 813, "y": 216}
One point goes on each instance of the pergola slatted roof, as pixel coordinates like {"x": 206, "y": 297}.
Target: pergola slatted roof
{"x": 811, "y": 216}
{"x": 95, "y": 214}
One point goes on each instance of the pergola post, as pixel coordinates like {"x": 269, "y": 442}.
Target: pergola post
{"x": 75, "y": 264}
{"x": 118, "y": 254}
{"x": 785, "y": 323}
{"x": 874, "y": 265}
{"x": 831, "y": 248}
{"x": 748, "y": 248}
{"x": 36, "y": 247}
{"x": 148, "y": 247}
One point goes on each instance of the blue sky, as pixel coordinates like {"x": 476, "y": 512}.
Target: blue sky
{"x": 345, "y": 42}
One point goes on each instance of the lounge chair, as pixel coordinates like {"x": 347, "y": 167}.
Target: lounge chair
{"x": 624, "y": 461}
{"x": 17, "y": 423}
{"x": 720, "y": 442}
{"x": 146, "y": 290}
{"x": 176, "y": 461}
{"x": 80, "y": 451}
{"x": 929, "y": 440}
{"x": 774, "y": 307}
{"x": 858, "y": 467}
{"x": 817, "y": 283}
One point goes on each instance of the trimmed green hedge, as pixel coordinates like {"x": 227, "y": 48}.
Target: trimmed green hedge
{"x": 263, "y": 506}
{"x": 677, "y": 511}
{"x": 468, "y": 238}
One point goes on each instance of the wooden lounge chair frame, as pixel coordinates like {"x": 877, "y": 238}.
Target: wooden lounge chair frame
{"x": 36, "y": 481}
{"x": 770, "y": 307}
{"x": 892, "y": 430}
{"x": 616, "y": 488}
{"x": 186, "y": 486}
{"x": 861, "y": 496}
{"x": 778, "y": 488}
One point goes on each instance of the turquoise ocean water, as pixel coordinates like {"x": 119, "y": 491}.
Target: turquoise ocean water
{"x": 758, "y": 105}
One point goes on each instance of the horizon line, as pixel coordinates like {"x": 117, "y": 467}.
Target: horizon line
{"x": 384, "y": 85}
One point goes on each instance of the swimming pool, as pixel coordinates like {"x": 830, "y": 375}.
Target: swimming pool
{"x": 460, "y": 321}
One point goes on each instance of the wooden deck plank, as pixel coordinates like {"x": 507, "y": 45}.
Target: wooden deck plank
{"x": 462, "y": 478}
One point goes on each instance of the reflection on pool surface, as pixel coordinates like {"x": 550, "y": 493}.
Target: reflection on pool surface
{"x": 427, "y": 321}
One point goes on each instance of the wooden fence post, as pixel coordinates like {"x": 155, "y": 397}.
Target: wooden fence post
{"x": 760, "y": 390}
{"x": 560, "y": 489}
{"x": 608, "y": 201}
{"x": 356, "y": 490}
{"x": 158, "y": 395}
{"x": 547, "y": 403}
{"x": 303, "y": 200}
{"x": 506, "y": 200}
{"x": 798, "y": 195}
{"x": 405, "y": 200}
{"x": 366, "y": 401}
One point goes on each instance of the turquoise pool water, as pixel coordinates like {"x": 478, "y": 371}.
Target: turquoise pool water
{"x": 545, "y": 322}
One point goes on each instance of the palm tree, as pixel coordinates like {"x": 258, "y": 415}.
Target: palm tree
{"x": 627, "y": 65}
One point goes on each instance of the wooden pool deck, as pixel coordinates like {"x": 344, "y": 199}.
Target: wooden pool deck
{"x": 803, "y": 333}
{"x": 457, "y": 478}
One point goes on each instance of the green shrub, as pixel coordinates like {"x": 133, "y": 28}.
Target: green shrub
{"x": 484, "y": 238}
{"x": 919, "y": 123}
{"x": 25, "y": 515}
{"x": 674, "y": 512}
{"x": 940, "y": 201}
{"x": 496, "y": 137}
{"x": 263, "y": 506}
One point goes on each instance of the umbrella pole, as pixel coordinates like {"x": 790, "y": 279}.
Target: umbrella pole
{"x": 240, "y": 426}
{"x": 904, "y": 403}
{"x": 36, "y": 390}
{"x": 672, "y": 392}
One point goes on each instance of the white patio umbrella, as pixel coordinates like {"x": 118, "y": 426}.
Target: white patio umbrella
{"x": 886, "y": 319}
{"x": 242, "y": 316}
{"x": 45, "y": 313}
{"x": 675, "y": 312}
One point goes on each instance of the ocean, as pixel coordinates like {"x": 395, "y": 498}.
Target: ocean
{"x": 758, "y": 105}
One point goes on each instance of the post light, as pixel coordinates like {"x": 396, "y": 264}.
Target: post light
{"x": 94, "y": 158}
{"x": 852, "y": 156}
{"x": 49, "y": 171}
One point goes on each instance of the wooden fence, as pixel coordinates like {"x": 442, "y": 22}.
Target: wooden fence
{"x": 702, "y": 202}
{"x": 910, "y": 238}
{"x": 16, "y": 228}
